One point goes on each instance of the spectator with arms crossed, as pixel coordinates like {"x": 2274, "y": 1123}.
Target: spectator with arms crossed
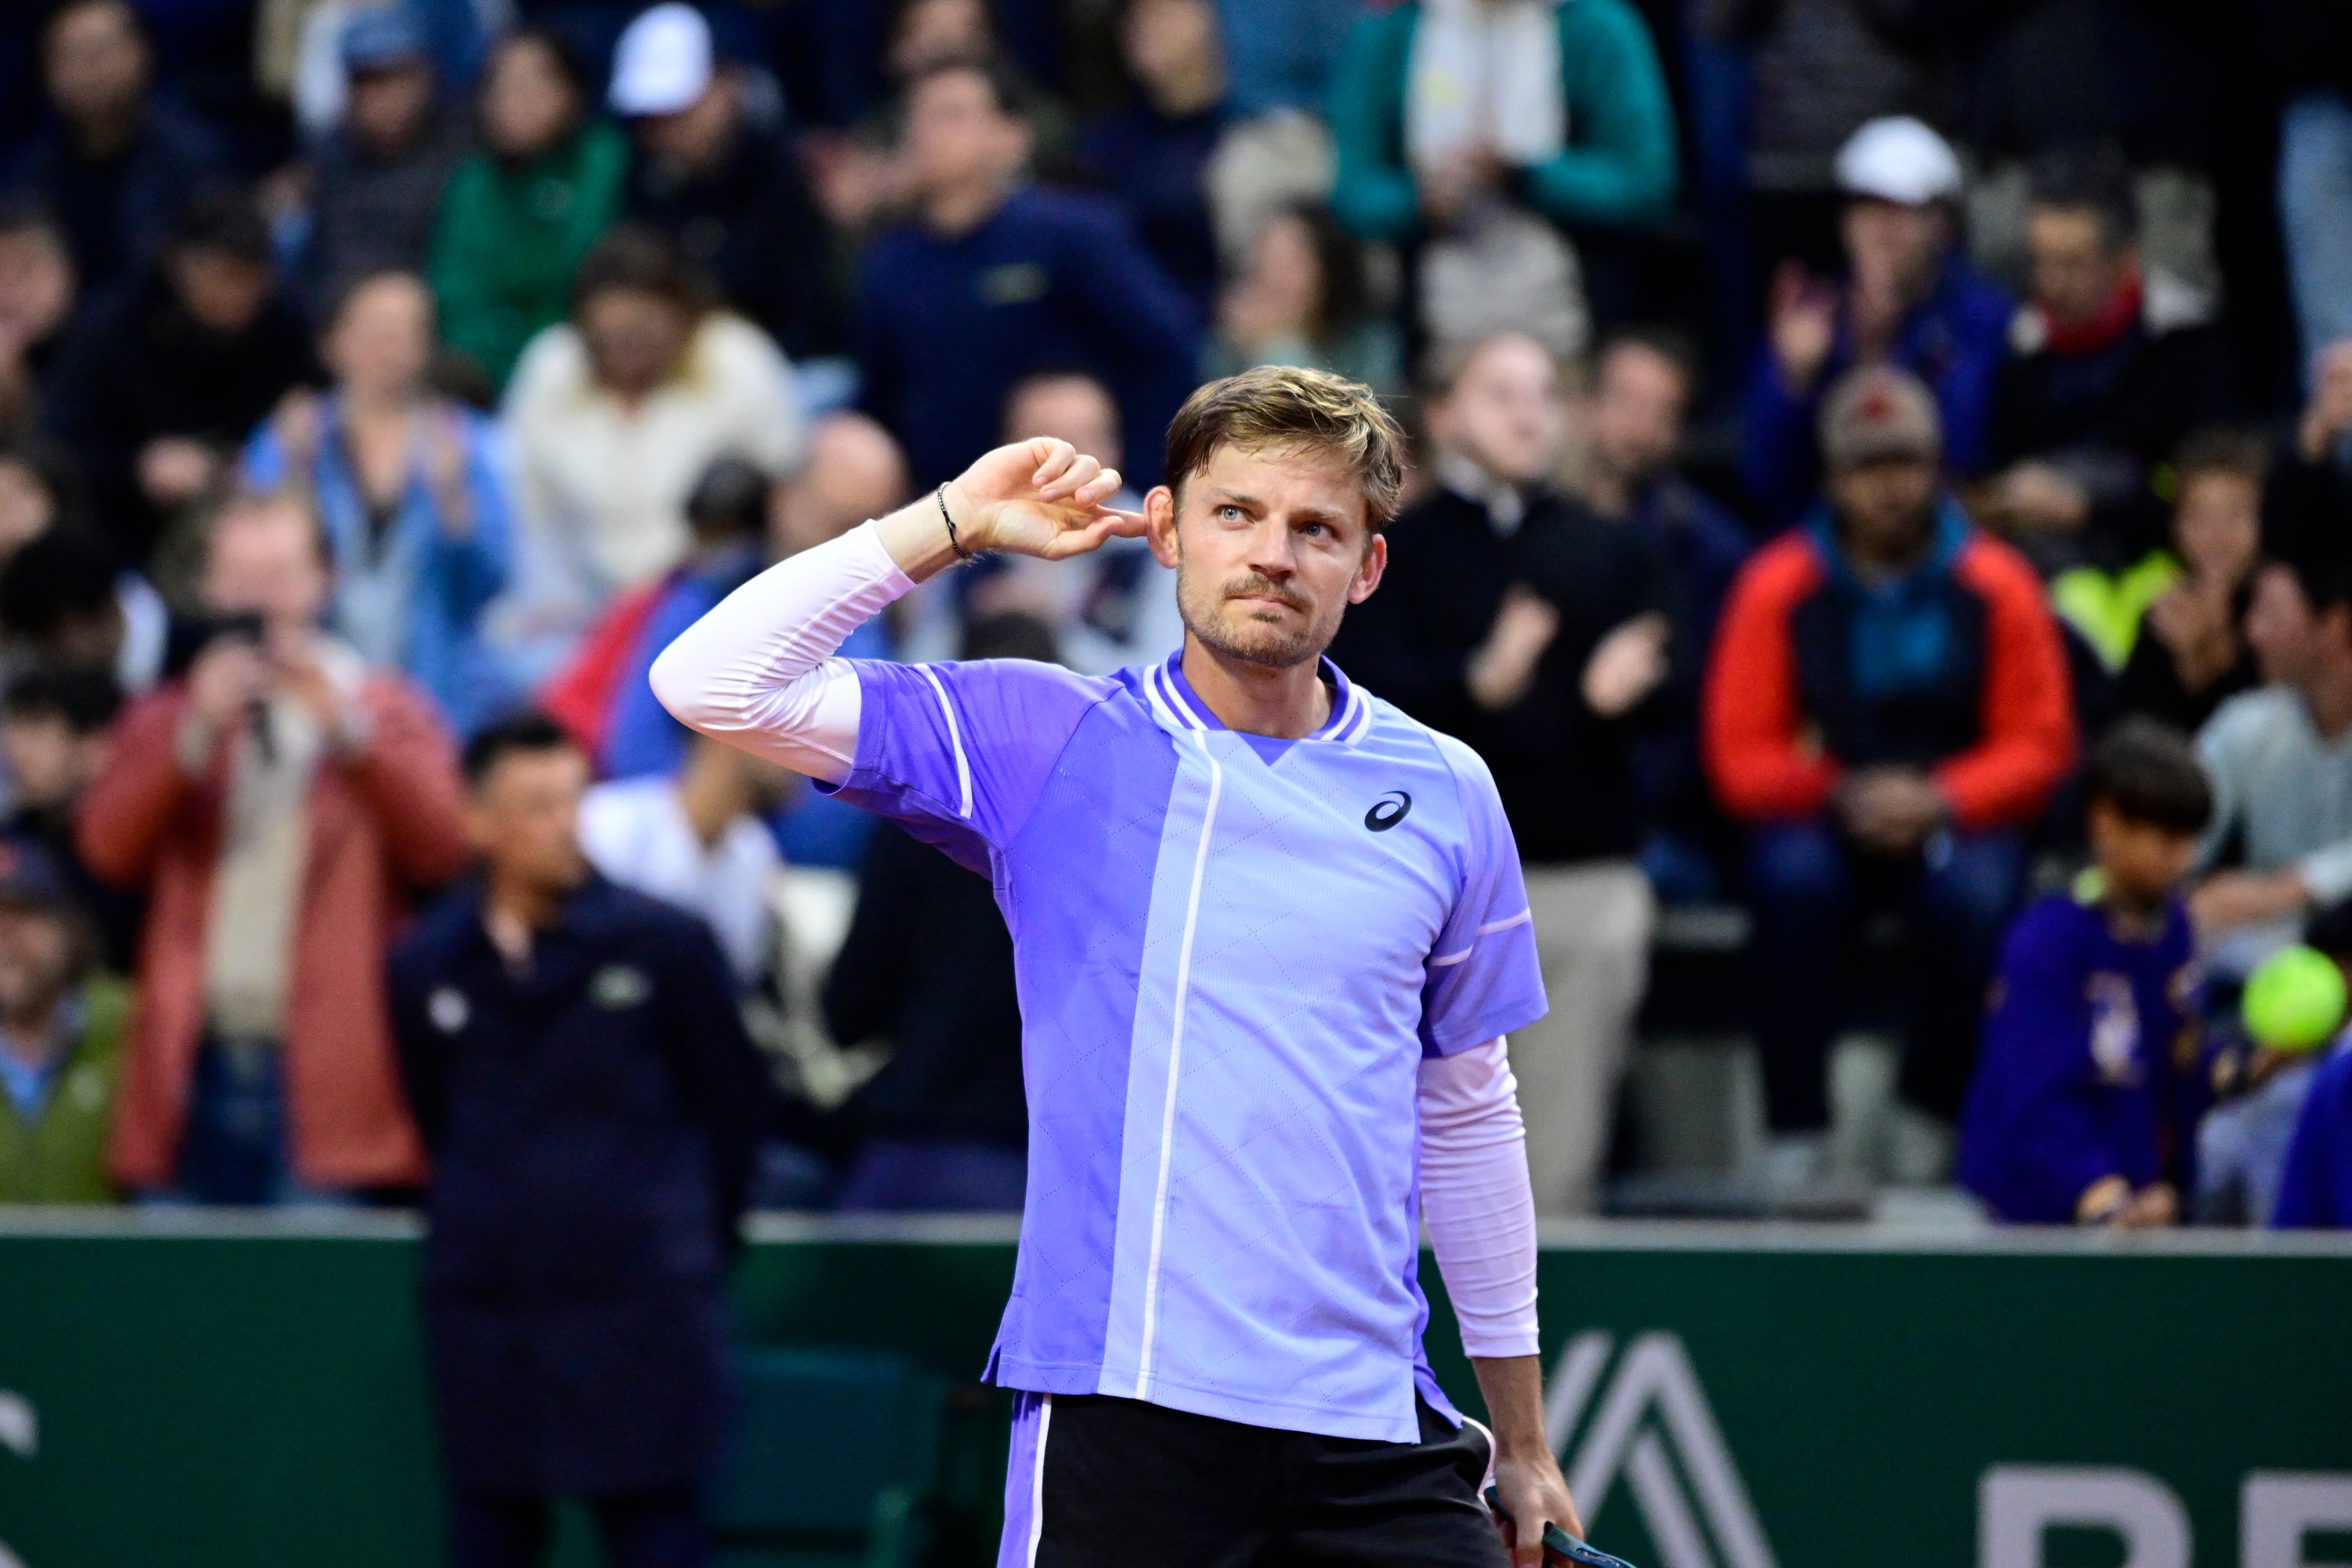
{"x": 1270, "y": 933}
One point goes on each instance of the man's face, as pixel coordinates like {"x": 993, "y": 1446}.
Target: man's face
{"x": 1884, "y": 507}
{"x": 36, "y": 285}
{"x": 635, "y": 338}
{"x": 2217, "y": 524}
{"x": 1072, "y": 408}
{"x": 528, "y": 104}
{"x": 1895, "y": 244}
{"x": 957, "y": 140}
{"x": 26, "y": 508}
{"x": 1637, "y": 411}
{"x": 1163, "y": 38}
{"x": 2076, "y": 271}
{"x": 2282, "y": 632}
{"x": 36, "y": 956}
{"x": 523, "y": 818}
{"x": 1269, "y": 548}
{"x": 931, "y": 30}
{"x": 1505, "y": 412}
{"x": 854, "y": 472}
{"x": 264, "y": 559}
{"x": 382, "y": 339}
{"x": 697, "y": 137}
{"x": 388, "y": 105}
{"x": 224, "y": 293}
{"x": 96, "y": 62}
{"x": 48, "y": 761}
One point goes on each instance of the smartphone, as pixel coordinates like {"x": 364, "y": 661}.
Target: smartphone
{"x": 1559, "y": 1546}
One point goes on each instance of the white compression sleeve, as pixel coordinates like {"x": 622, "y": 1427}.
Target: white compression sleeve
{"x": 1475, "y": 1198}
{"x": 757, "y": 671}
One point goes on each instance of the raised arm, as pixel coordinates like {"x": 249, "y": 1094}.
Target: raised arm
{"x": 757, "y": 672}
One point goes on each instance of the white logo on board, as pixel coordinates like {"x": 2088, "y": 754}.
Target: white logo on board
{"x": 1654, "y": 1425}
{"x": 20, "y": 1433}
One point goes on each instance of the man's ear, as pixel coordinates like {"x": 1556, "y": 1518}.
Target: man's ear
{"x": 1159, "y": 519}
{"x": 1367, "y": 575}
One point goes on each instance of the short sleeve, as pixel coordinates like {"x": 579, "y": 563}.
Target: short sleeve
{"x": 1484, "y": 979}
{"x": 958, "y": 753}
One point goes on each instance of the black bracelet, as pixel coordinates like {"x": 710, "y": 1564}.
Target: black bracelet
{"x": 954, "y": 543}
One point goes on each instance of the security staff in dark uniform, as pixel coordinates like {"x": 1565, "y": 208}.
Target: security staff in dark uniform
{"x": 573, "y": 1055}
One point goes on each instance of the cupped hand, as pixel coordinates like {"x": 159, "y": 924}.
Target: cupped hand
{"x": 1533, "y": 1494}
{"x": 1040, "y": 497}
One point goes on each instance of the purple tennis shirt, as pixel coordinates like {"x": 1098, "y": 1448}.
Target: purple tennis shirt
{"x": 1233, "y": 954}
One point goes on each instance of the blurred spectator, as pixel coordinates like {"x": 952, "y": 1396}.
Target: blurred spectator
{"x": 1113, "y": 607}
{"x": 1304, "y": 299}
{"x": 2189, "y": 654}
{"x": 1537, "y": 633}
{"x": 697, "y": 839}
{"x": 2310, "y": 489}
{"x": 518, "y": 216}
{"x": 1015, "y": 278}
{"x": 1887, "y": 708}
{"x": 53, "y": 737}
{"x": 379, "y": 174}
{"x": 574, "y": 1060}
{"x": 2069, "y": 1120}
{"x": 37, "y": 300}
{"x": 1153, "y": 152}
{"x": 1908, "y": 297}
{"x": 2259, "y": 1088}
{"x": 602, "y": 697}
{"x": 1631, "y": 424}
{"x": 2316, "y": 1186}
{"x": 2282, "y": 775}
{"x": 407, "y": 487}
{"x": 65, "y": 601}
{"x": 61, "y": 1031}
{"x": 1481, "y": 132}
{"x": 2310, "y": 49}
{"x": 170, "y": 376}
{"x": 928, "y": 966}
{"x": 38, "y": 489}
{"x": 1281, "y": 54}
{"x": 2111, "y": 363}
{"x": 116, "y": 160}
{"x": 277, "y": 804}
{"x": 614, "y": 415}
{"x": 727, "y": 189}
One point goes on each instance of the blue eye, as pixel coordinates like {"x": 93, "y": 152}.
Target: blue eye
{"x": 1313, "y": 528}
{"x": 1229, "y": 513}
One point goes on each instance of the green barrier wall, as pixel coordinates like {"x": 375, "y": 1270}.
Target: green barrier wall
{"x": 252, "y": 1394}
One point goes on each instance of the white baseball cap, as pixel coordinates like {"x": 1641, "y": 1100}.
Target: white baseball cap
{"x": 1898, "y": 158}
{"x": 662, "y": 63}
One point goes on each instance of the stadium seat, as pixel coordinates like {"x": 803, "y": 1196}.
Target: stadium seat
{"x": 834, "y": 1463}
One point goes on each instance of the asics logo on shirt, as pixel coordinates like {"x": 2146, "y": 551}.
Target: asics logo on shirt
{"x": 1387, "y": 811}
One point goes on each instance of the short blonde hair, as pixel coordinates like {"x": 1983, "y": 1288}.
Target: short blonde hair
{"x": 1283, "y": 408}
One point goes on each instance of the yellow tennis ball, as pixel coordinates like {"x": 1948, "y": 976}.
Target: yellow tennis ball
{"x": 2294, "y": 1000}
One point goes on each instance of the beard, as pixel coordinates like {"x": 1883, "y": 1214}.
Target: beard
{"x": 1252, "y": 634}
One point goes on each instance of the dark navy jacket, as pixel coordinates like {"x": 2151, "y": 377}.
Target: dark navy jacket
{"x": 2076, "y": 1072}
{"x": 948, "y": 326}
{"x": 2316, "y": 1189}
{"x": 591, "y": 1124}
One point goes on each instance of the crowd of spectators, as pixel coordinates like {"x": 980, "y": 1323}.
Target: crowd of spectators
{"x": 1838, "y": 422}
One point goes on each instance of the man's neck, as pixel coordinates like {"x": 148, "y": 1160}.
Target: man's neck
{"x": 1892, "y": 559}
{"x": 514, "y": 912}
{"x": 104, "y": 136}
{"x": 29, "y": 1034}
{"x": 1606, "y": 489}
{"x": 1465, "y": 475}
{"x": 957, "y": 212}
{"x": 710, "y": 792}
{"x": 1287, "y": 703}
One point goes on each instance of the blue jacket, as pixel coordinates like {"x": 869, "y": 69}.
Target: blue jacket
{"x": 2075, "y": 1074}
{"x": 412, "y": 596}
{"x": 1954, "y": 339}
{"x": 2315, "y": 1191}
{"x": 1618, "y": 167}
{"x": 946, "y": 326}
{"x": 593, "y": 1122}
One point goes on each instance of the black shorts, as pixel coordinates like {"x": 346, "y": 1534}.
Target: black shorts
{"x": 1098, "y": 1482}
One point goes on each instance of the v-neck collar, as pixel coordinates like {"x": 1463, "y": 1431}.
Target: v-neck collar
{"x": 1350, "y": 714}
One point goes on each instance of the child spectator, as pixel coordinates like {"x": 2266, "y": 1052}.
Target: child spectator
{"x": 2259, "y": 1080}
{"x": 408, "y": 489}
{"x": 2188, "y": 654}
{"x": 53, "y": 737}
{"x": 518, "y": 216}
{"x": 61, "y": 1032}
{"x": 1304, "y": 299}
{"x": 2067, "y": 1118}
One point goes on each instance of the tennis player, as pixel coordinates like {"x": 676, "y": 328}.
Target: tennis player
{"x": 1269, "y": 933}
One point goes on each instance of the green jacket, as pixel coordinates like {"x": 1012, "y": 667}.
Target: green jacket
{"x": 1618, "y": 169}
{"x": 61, "y": 1157}
{"x": 508, "y": 240}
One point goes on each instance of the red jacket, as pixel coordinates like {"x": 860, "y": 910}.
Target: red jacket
{"x": 1773, "y": 707}
{"x": 383, "y": 822}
